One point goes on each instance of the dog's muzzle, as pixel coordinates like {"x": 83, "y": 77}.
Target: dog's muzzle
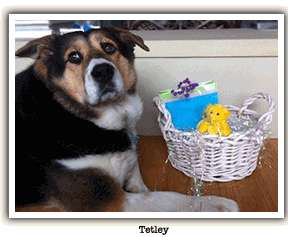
{"x": 103, "y": 73}
{"x": 103, "y": 81}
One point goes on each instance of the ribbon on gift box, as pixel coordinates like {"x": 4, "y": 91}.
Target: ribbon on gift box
{"x": 205, "y": 86}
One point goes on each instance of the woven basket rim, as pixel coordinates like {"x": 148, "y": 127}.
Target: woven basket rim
{"x": 243, "y": 111}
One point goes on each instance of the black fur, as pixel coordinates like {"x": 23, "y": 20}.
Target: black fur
{"x": 125, "y": 47}
{"x": 45, "y": 131}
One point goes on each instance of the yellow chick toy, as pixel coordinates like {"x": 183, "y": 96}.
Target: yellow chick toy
{"x": 216, "y": 121}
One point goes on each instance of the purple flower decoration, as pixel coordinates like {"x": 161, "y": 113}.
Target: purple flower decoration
{"x": 193, "y": 86}
{"x": 185, "y": 88}
{"x": 187, "y": 81}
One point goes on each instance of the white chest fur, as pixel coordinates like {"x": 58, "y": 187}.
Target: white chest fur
{"x": 121, "y": 115}
{"x": 122, "y": 166}
{"x": 119, "y": 164}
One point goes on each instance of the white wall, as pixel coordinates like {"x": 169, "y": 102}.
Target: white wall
{"x": 237, "y": 79}
{"x": 241, "y": 62}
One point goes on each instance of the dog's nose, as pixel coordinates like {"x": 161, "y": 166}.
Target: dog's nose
{"x": 103, "y": 73}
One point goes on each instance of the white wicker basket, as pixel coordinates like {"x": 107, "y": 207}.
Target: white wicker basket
{"x": 214, "y": 158}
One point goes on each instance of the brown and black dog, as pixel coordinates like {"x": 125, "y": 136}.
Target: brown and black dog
{"x": 76, "y": 110}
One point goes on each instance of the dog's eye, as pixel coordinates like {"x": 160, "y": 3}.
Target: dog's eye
{"x": 108, "y": 48}
{"x": 75, "y": 57}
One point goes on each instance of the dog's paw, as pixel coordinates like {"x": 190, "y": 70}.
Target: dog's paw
{"x": 137, "y": 189}
{"x": 214, "y": 204}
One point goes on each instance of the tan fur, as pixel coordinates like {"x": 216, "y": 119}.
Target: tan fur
{"x": 125, "y": 67}
{"x": 41, "y": 69}
{"x": 127, "y": 71}
{"x": 118, "y": 204}
{"x": 97, "y": 38}
{"x": 51, "y": 206}
{"x": 77, "y": 183}
{"x": 73, "y": 79}
{"x": 38, "y": 209}
{"x": 70, "y": 84}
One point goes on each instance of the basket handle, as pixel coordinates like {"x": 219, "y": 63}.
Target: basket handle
{"x": 166, "y": 115}
{"x": 267, "y": 117}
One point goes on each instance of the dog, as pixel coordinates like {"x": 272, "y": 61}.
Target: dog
{"x": 76, "y": 111}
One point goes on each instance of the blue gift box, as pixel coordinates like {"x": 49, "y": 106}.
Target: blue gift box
{"x": 186, "y": 113}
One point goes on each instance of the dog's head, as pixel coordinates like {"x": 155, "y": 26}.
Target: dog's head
{"x": 87, "y": 69}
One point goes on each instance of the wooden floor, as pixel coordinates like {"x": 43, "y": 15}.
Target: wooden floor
{"x": 256, "y": 193}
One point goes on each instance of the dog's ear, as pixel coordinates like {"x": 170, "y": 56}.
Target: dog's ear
{"x": 127, "y": 37}
{"x": 42, "y": 47}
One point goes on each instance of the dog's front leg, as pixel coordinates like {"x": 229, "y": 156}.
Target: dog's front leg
{"x": 176, "y": 202}
{"x": 135, "y": 183}
{"x": 126, "y": 171}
